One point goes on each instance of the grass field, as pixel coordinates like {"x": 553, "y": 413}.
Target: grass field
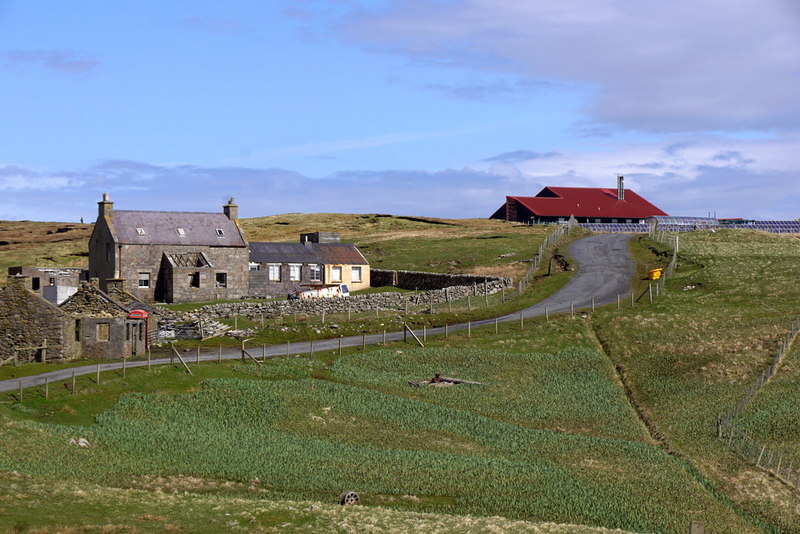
{"x": 553, "y": 435}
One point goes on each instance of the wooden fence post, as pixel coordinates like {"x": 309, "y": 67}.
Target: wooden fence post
{"x": 495, "y": 325}
{"x": 148, "y": 358}
{"x": 363, "y": 342}
{"x": 20, "y": 391}
{"x": 469, "y": 328}
{"x": 340, "y": 345}
{"x": 445, "y": 330}
{"x": 521, "y": 322}
{"x": 197, "y": 357}
{"x": 97, "y": 380}
{"x": 46, "y": 387}
{"x": 73, "y": 383}
{"x": 124, "y": 359}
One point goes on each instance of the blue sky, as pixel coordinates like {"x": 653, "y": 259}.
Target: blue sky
{"x": 435, "y": 108}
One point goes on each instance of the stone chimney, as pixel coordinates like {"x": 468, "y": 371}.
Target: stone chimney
{"x": 105, "y": 206}
{"x": 620, "y": 187}
{"x": 231, "y": 210}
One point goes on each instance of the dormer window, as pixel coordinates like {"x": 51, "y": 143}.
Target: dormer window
{"x": 181, "y": 232}
{"x": 220, "y": 233}
{"x": 140, "y": 231}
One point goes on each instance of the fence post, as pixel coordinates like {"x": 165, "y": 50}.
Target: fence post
{"x": 219, "y": 353}
{"x": 469, "y": 328}
{"x": 363, "y": 342}
{"x": 124, "y": 359}
{"x": 650, "y": 291}
{"x": 340, "y": 345}
{"x": 572, "y": 308}
{"x": 760, "y": 455}
{"x": 73, "y": 383}
{"x": 617, "y": 300}
{"x": 46, "y": 387}
{"x": 521, "y": 321}
{"x": 197, "y": 355}
{"x": 632, "y": 302}
{"x": 445, "y": 330}
{"x": 98, "y": 373}
{"x": 148, "y": 358}
{"x": 592, "y": 304}
{"x": 384, "y": 338}
{"x": 425, "y": 333}
{"x": 20, "y": 391}
{"x": 288, "y": 343}
{"x": 495, "y": 325}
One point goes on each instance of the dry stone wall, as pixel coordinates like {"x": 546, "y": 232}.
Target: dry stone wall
{"x": 354, "y": 303}
{"x": 27, "y": 321}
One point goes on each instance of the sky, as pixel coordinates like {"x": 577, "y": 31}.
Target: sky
{"x": 434, "y": 108}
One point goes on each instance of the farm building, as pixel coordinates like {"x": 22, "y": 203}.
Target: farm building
{"x": 89, "y": 324}
{"x": 170, "y": 256}
{"x": 586, "y": 204}
{"x": 277, "y": 269}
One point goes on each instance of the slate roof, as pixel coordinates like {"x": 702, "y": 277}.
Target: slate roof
{"x": 588, "y": 202}
{"x": 161, "y": 228}
{"x": 324, "y": 253}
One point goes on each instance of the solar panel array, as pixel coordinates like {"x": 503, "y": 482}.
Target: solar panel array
{"x": 775, "y": 227}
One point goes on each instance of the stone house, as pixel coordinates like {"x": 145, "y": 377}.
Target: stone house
{"x": 90, "y": 324}
{"x": 160, "y": 256}
{"x": 277, "y": 269}
{"x": 55, "y": 284}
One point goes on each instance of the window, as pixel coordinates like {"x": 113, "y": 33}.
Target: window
{"x": 144, "y": 279}
{"x": 52, "y": 281}
{"x": 220, "y": 233}
{"x": 103, "y": 330}
{"x": 35, "y": 283}
{"x": 294, "y": 272}
{"x": 356, "y": 274}
{"x": 316, "y": 272}
{"x": 274, "y": 272}
{"x": 222, "y": 279}
{"x": 255, "y": 266}
{"x": 140, "y": 231}
{"x": 181, "y": 232}
{"x": 336, "y": 273}
{"x": 194, "y": 279}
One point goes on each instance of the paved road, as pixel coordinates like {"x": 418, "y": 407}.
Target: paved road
{"x": 604, "y": 271}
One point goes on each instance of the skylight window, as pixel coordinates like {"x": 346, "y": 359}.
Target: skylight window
{"x": 140, "y": 231}
{"x": 181, "y": 232}
{"x": 220, "y": 233}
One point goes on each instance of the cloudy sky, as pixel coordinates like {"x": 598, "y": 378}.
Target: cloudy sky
{"x": 414, "y": 107}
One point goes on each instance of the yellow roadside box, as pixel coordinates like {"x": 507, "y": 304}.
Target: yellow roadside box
{"x": 654, "y": 274}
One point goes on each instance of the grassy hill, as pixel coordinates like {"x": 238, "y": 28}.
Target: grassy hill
{"x": 603, "y": 419}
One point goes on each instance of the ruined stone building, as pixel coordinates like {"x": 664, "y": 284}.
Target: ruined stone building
{"x": 277, "y": 269}
{"x": 55, "y": 284}
{"x": 89, "y": 324}
{"x": 161, "y": 256}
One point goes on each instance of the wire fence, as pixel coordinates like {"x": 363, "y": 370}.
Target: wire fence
{"x": 549, "y": 241}
{"x": 770, "y": 459}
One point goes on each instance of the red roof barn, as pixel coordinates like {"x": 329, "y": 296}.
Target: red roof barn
{"x": 586, "y": 204}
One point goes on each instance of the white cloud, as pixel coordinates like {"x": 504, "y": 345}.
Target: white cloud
{"x": 671, "y": 66}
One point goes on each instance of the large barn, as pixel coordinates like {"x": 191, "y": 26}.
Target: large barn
{"x": 586, "y": 204}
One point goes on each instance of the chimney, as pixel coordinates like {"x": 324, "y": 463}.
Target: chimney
{"x": 231, "y": 210}
{"x": 620, "y": 187}
{"x": 104, "y": 207}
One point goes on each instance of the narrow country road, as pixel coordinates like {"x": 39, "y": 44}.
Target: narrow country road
{"x": 604, "y": 271}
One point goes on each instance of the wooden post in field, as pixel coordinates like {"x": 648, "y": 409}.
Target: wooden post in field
{"x": 503, "y": 294}
{"x": 363, "y": 342}
{"x": 495, "y": 325}
{"x": 445, "y": 331}
{"x": 384, "y": 338}
{"x": 572, "y": 308}
{"x": 46, "y": 387}
{"x": 97, "y": 380}
{"x": 311, "y": 350}
{"x": 243, "y": 350}
{"x": 592, "y": 304}
{"x": 486, "y": 292}
{"x": 632, "y": 303}
{"x": 425, "y": 333}
{"x": 197, "y": 355}
{"x": 20, "y": 391}
{"x": 617, "y": 300}
{"x": 469, "y": 303}
{"x": 149, "y": 357}
{"x": 124, "y": 359}
{"x": 287, "y": 347}
{"x": 219, "y": 353}
{"x": 760, "y": 455}
{"x": 340, "y": 345}
{"x": 650, "y": 292}
{"x": 377, "y": 312}
{"x": 348, "y": 311}
{"x": 469, "y": 328}
{"x": 44, "y": 350}
{"x": 521, "y": 322}
{"x": 657, "y": 286}
{"x": 546, "y": 314}
{"x": 73, "y": 383}
{"x": 323, "y": 314}
{"x": 264, "y": 352}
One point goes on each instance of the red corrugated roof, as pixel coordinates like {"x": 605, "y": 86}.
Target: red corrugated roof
{"x": 587, "y": 202}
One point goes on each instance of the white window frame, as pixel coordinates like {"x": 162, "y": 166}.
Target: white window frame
{"x": 316, "y": 272}
{"x": 220, "y": 232}
{"x": 255, "y": 266}
{"x": 334, "y": 270}
{"x": 140, "y": 231}
{"x": 144, "y": 277}
{"x": 181, "y": 232}
{"x": 355, "y": 273}
{"x": 274, "y": 272}
{"x": 295, "y": 271}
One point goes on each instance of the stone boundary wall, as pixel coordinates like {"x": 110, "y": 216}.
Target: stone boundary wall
{"x": 354, "y": 303}
{"x": 425, "y": 281}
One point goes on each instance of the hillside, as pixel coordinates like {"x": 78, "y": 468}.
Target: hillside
{"x": 603, "y": 419}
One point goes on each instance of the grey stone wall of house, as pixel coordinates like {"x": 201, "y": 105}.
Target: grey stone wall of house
{"x": 233, "y": 261}
{"x": 26, "y": 320}
{"x": 425, "y": 281}
{"x": 262, "y": 286}
{"x": 354, "y": 303}
{"x": 102, "y": 252}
